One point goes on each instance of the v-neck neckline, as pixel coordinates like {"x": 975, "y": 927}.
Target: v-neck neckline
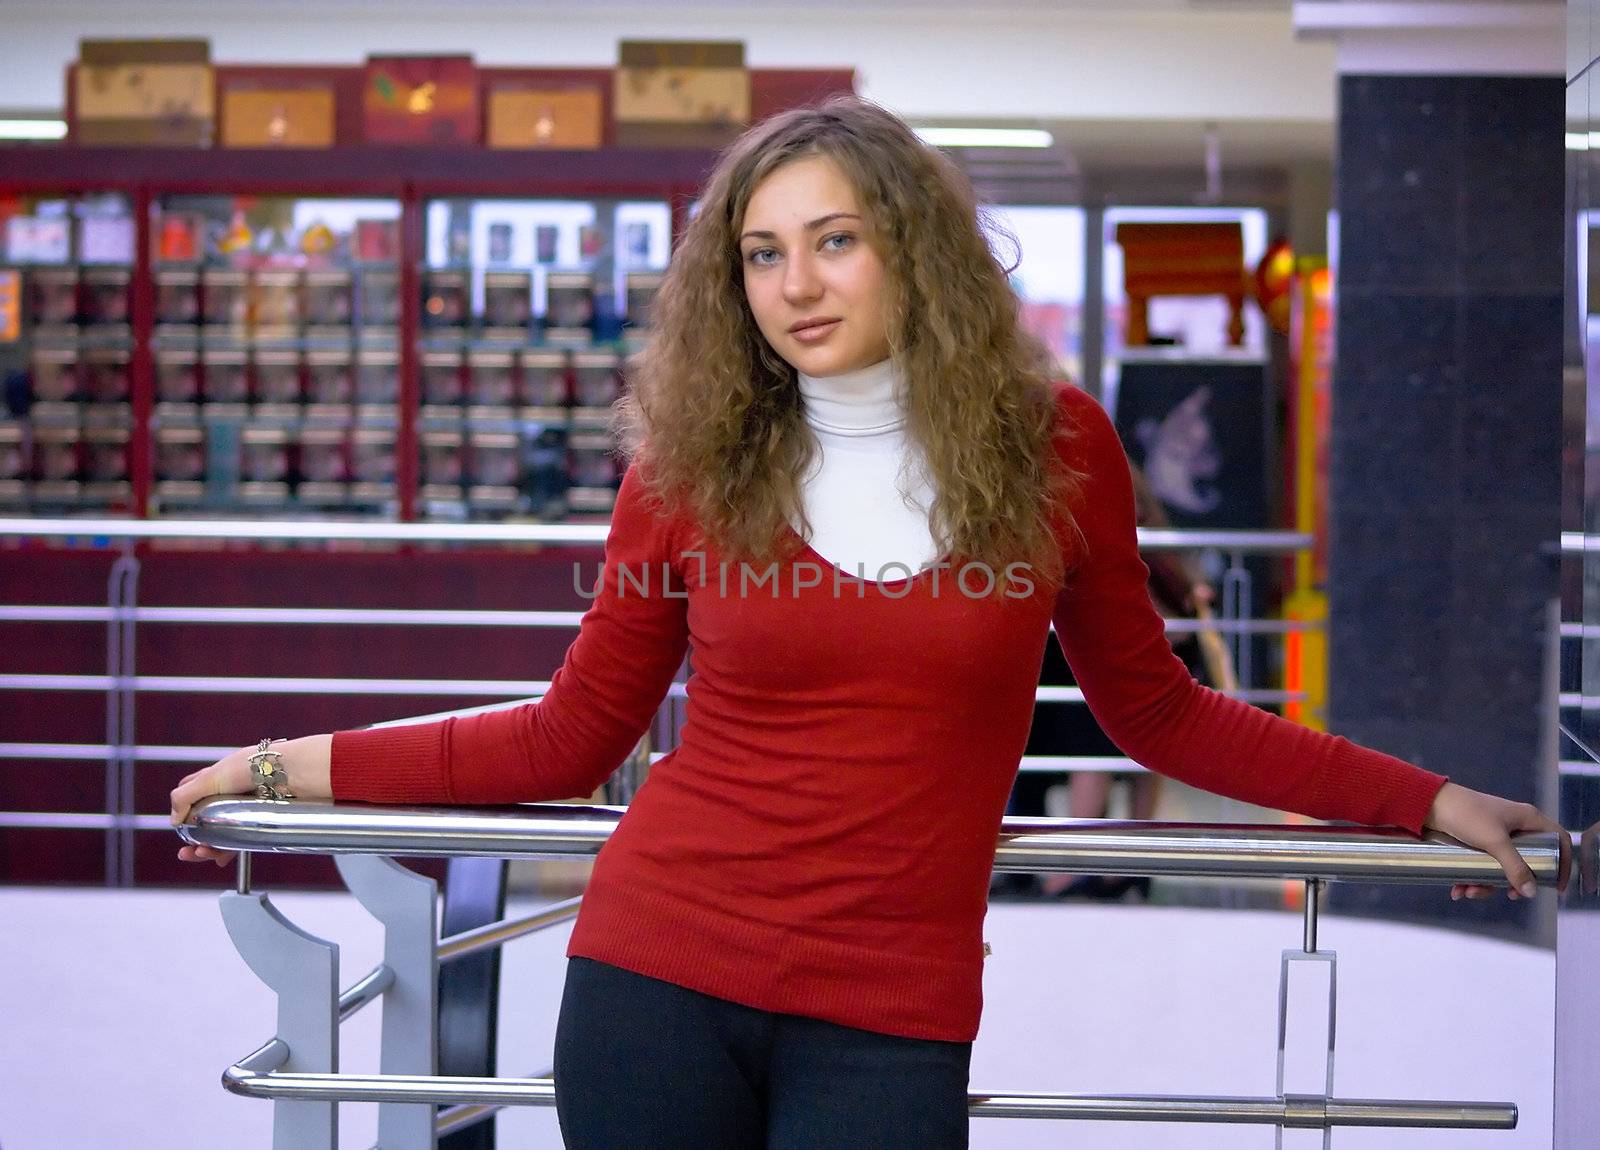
{"x": 837, "y": 571}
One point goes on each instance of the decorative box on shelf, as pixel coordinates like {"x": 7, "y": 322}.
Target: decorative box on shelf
{"x": 521, "y": 117}
{"x": 143, "y": 93}
{"x": 680, "y": 94}
{"x": 421, "y": 100}
{"x": 277, "y": 117}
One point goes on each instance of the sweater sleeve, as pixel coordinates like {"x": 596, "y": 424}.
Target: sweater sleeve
{"x": 1152, "y": 708}
{"x": 600, "y": 701}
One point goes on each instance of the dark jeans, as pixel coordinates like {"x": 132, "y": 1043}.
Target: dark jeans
{"x": 643, "y": 1064}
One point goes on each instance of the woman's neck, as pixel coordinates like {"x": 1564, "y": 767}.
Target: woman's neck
{"x": 867, "y": 401}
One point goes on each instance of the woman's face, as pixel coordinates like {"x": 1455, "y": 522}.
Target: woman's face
{"x": 813, "y": 278}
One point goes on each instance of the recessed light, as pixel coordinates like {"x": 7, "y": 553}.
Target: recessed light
{"x": 18, "y": 129}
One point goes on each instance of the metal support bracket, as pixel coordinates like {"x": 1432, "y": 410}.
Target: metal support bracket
{"x": 303, "y": 971}
{"x": 405, "y": 902}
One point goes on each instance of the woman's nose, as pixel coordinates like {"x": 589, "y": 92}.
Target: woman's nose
{"x": 800, "y": 281}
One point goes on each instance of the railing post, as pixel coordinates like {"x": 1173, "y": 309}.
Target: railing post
{"x": 122, "y": 597}
{"x": 303, "y": 971}
{"x": 404, "y": 901}
{"x": 1303, "y": 1109}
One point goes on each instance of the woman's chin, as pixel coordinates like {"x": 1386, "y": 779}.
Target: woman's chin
{"x": 819, "y": 362}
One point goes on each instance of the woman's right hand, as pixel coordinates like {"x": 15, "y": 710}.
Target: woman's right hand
{"x": 305, "y": 764}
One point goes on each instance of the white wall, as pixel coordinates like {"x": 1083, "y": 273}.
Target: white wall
{"x": 1062, "y": 60}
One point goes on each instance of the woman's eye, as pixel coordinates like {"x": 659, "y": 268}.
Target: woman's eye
{"x": 845, "y": 239}
{"x": 758, "y": 256}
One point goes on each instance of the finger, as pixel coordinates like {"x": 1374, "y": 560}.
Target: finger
{"x": 1518, "y": 873}
{"x": 186, "y": 794}
{"x": 1539, "y": 821}
{"x": 1533, "y": 819}
{"x": 183, "y": 797}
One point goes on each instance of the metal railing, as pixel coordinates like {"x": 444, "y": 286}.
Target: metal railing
{"x": 122, "y": 615}
{"x": 295, "y": 1069}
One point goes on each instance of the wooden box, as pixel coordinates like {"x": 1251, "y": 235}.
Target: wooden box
{"x": 1166, "y": 259}
{"x": 143, "y": 92}
{"x": 278, "y": 117}
{"x": 545, "y": 118}
{"x": 680, "y": 93}
{"x": 421, "y": 100}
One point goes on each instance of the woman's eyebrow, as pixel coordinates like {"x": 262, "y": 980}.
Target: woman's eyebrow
{"x": 820, "y": 221}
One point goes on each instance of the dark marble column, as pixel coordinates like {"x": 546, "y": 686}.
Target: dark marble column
{"x": 1444, "y": 473}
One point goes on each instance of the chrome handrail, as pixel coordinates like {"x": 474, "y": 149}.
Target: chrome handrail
{"x": 548, "y": 831}
{"x": 306, "y": 529}
{"x": 556, "y": 831}
{"x": 257, "y": 1077}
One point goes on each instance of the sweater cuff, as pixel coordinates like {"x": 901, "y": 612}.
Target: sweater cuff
{"x": 1403, "y": 792}
{"x": 390, "y": 765}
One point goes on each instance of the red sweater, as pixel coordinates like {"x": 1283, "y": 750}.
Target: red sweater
{"x": 820, "y": 842}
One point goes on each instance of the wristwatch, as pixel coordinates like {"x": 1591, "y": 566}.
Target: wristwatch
{"x": 266, "y": 773}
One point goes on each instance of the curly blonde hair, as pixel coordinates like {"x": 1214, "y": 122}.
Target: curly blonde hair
{"x": 715, "y": 415}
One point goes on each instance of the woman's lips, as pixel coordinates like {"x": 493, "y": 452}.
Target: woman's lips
{"x": 816, "y": 332}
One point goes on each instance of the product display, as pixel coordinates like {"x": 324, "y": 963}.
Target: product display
{"x": 180, "y": 464}
{"x": 276, "y": 311}
{"x": 372, "y": 459}
{"x": 329, "y": 378}
{"x": 275, "y": 369}
{"x": 442, "y": 470}
{"x": 595, "y": 380}
{"x": 507, "y": 304}
{"x": 277, "y": 376}
{"x": 569, "y": 306}
{"x": 177, "y": 297}
{"x": 56, "y": 463}
{"x": 380, "y": 297}
{"x": 105, "y": 375}
{"x": 106, "y": 465}
{"x": 13, "y": 467}
{"x": 378, "y": 377}
{"x": 53, "y": 298}
{"x": 544, "y": 383}
{"x": 55, "y": 374}
{"x": 324, "y": 470}
{"x": 225, "y": 299}
{"x": 445, "y": 299}
{"x": 177, "y": 375}
{"x": 641, "y": 293}
{"x": 327, "y": 302}
{"x": 493, "y": 470}
{"x": 105, "y": 298}
{"x": 224, "y": 375}
{"x": 492, "y": 383}
{"x": 592, "y": 471}
{"x": 264, "y": 456}
{"x": 441, "y": 378}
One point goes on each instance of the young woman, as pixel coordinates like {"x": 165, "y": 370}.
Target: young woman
{"x": 860, "y": 501}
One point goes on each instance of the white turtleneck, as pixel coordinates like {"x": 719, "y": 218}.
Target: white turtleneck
{"x": 867, "y": 495}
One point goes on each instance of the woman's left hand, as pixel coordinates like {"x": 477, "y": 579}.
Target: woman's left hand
{"x": 1488, "y": 822}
